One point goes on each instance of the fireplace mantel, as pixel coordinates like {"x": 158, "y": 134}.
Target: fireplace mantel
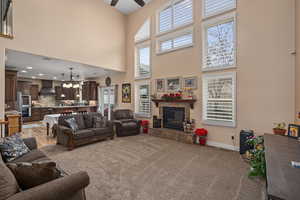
{"x": 188, "y": 101}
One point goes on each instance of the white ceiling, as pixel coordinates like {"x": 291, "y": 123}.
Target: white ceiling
{"x": 49, "y": 68}
{"x": 126, "y": 6}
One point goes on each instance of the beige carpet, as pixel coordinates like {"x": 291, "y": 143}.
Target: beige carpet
{"x": 149, "y": 168}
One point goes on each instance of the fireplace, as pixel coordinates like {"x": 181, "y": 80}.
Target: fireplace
{"x": 173, "y": 117}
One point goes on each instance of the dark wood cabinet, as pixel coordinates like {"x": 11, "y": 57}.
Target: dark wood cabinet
{"x": 90, "y": 91}
{"x": 59, "y": 92}
{"x": 70, "y": 93}
{"x": 34, "y": 92}
{"x": 24, "y": 87}
{"x": 10, "y": 88}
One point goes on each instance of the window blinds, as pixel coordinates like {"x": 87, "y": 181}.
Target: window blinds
{"x": 144, "y": 99}
{"x": 220, "y": 45}
{"x": 219, "y": 99}
{"x": 176, "y": 42}
{"x": 143, "y": 63}
{"x": 176, "y": 15}
{"x": 214, "y": 7}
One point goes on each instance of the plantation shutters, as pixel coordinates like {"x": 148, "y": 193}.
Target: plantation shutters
{"x": 219, "y": 99}
{"x": 177, "y": 14}
{"x": 144, "y": 32}
{"x": 143, "y": 62}
{"x": 143, "y": 102}
{"x": 214, "y": 7}
{"x": 219, "y": 43}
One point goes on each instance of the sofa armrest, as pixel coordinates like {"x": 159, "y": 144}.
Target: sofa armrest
{"x": 60, "y": 188}
{"x": 65, "y": 130}
{"x": 110, "y": 124}
{"x": 117, "y": 122}
{"x": 30, "y": 143}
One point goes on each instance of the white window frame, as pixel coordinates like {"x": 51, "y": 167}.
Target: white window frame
{"x": 136, "y": 64}
{"x": 204, "y": 99}
{"x": 140, "y": 40}
{"x": 217, "y": 13}
{"x": 174, "y": 35}
{"x": 137, "y": 98}
{"x": 213, "y": 22}
{"x": 174, "y": 28}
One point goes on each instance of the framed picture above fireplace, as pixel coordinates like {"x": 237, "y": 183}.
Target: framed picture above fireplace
{"x": 173, "y": 84}
{"x": 190, "y": 82}
{"x": 160, "y": 85}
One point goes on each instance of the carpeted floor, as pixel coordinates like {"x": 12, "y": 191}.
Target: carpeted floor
{"x": 149, "y": 168}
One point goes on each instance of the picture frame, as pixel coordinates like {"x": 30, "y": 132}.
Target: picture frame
{"x": 126, "y": 93}
{"x": 293, "y": 130}
{"x": 190, "y": 82}
{"x": 173, "y": 84}
{"x": 160, "y": 85}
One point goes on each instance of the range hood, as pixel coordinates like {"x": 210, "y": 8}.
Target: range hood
{"x": 47, "y": 88}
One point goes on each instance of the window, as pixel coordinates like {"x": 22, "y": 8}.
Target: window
{"x": 142, "y": 99}
{"x": 176, "y": 14}
{"x": 176, "y": 40}
{"x": 144, "y": 32}
{"x": 142, "y": 69}
{"x": 219, "y": 48}
{"x": 215, "y": 7}
{"x": 219, "y": 99}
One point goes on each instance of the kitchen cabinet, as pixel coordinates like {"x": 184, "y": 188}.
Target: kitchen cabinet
{"x": 70, "y": 93}
{"x": 90, "y": 91}
{"x": 24, "y": 87}
{"x": 11, "y": 88}
{"x": 58, "y": 93}
{"x": 34, "y": 92}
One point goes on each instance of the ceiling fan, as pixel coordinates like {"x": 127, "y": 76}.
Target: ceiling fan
{"x": 139, "y": 2}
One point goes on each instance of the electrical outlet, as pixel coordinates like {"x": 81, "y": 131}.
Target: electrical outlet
{"x": 232, "y": 137}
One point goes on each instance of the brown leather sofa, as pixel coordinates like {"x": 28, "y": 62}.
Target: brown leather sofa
{"x": 125, "y": 123}
{"x": 70, "y": 187}
{"x": 86, "y": 133}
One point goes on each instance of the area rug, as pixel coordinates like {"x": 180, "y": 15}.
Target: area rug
{"x": 150, "y": 168}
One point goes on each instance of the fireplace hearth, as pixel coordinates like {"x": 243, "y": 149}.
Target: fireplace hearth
{"x": 173, "y": 118}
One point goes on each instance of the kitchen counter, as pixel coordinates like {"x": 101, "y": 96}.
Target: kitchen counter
{"x": 58, "y": 107}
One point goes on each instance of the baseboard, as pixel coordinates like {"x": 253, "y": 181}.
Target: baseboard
{"x": 223, "y": 146}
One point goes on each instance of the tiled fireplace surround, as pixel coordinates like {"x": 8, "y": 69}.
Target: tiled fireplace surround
{"x": 170, "y": 133}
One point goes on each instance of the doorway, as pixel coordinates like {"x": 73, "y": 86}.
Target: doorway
{"x": 107, "y": 104}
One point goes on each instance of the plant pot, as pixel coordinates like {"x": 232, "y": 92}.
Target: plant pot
{"x": 278, "y": 131}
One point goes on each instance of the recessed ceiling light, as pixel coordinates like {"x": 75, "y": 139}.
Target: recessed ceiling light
{"x": 33, "y": 77}
{"x": 63, "y": 80}
{"x": 41, "y": 74}
{"x": 24, "y": 71}
{"x": 54, "y": 77}
{"x": 28, "y": 67}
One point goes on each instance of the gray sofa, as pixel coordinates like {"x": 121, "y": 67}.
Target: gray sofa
{"x": 87, "y": 132}
{"x": 70, "y": 187}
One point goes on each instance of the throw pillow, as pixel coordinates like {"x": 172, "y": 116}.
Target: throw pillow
{"x": 30, "y": 175}
{"x": 72, "y": 124}
{"x": 98, "y": 122}
{"x": 12, "y": 147}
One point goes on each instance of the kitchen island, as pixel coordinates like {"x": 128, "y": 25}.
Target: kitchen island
{"x": 38, "y": 112}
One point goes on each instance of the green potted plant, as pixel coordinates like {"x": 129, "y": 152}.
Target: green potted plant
{"x": 279, "y": 128}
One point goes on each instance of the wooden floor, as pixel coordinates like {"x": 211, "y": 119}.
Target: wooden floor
{"x": 40, "y": 133}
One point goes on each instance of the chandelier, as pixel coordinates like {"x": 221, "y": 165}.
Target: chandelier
{"x": 72, "y": 83}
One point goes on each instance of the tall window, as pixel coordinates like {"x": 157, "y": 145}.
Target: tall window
{"x": 175, "y": 14}
{"x": 219, "y": 44}
{"x": 215, "y": 7}
{"x": 142, "y": 101}
{"x": 219, "y": 99}
{"x": 142, "y": 69}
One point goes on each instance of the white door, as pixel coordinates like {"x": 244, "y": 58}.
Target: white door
{"x": 107, "y": 101}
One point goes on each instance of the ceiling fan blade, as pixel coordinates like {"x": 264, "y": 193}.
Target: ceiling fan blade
{"x": 140, "y": 2}
{"x": 114, "y": 2}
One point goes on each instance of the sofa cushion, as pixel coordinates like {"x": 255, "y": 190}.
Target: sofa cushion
{"x": 30, "y": 175}
{"x": 101, "y": 131}
{"x": 88, "y": 120}
{"x": 8, "y": 183}
{"x": 98, "y": 122}
{"x": 83, "y": 134}
{"x": 123, "y": 114}
{"x": 80, "y": 121}
{"x": 31, "y": 156}
{"x": 72, "y": 124}
{"x": 13, "y": 147}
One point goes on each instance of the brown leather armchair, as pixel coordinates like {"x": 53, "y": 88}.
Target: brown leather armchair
{"x": 125, "y": 123}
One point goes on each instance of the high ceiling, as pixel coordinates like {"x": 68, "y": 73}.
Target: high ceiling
{"x": 41, "y": 67}
{"x": 127, "y": 6}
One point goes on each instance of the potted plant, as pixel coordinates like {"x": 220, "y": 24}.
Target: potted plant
{"x": 279, "y": 128}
